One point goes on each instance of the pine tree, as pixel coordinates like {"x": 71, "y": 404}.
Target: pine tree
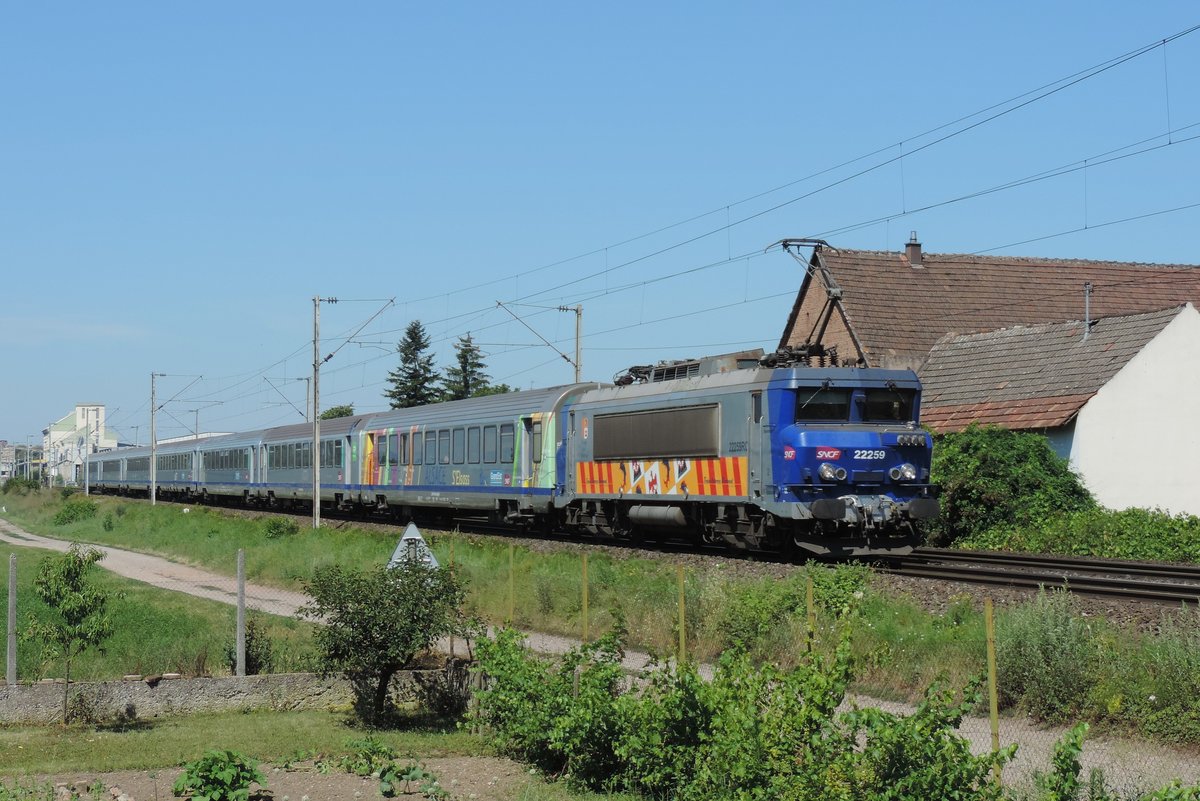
{"x": 466, "y": 378}
{"x": 415, "y": 381}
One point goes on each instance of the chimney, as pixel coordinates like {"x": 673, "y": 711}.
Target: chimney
{"x": 913, "y": 251}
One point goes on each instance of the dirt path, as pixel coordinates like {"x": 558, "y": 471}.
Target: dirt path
{"x": 1129, "y": 765}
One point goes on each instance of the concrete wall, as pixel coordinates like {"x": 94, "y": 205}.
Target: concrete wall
{"x": 1137, "y": 442}
{"x": 136, "y": 699}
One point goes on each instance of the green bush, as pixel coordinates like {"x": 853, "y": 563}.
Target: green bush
{"x": 19, "y": 486}
{"x": 1140, "y": 534}
{"x": 1046, "y": 657}
{"x": 989, "y": 476}
{"x": 74, "y": 510}
{"x": 219, "y": 776}
{"x": 755, "y": 732}
{"x": 260, "y": 655}
{"x": 276, "y": 527}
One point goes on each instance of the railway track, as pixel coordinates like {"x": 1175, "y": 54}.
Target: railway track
{"x": 1135, "y": 581}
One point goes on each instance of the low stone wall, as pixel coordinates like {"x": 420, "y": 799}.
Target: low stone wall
{"x": 152, "y": 697}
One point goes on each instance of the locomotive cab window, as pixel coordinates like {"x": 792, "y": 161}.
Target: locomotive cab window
{"x": 889, "y": 405}
{"x": 822, "y": 404}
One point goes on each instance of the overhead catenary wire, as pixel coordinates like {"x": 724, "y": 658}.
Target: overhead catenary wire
{"x": 1005, "y": 107}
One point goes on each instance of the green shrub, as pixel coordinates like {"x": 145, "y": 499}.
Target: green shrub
{"x": 74, "y": 510}
{"x": 260, "y": 656}
{"x": 989, "y": 476}
{"x": 755, "y": 732}
{"x": 219, "y": 776}
{"x": 1046, "y": 657}
{"x": 1140, "y": 534}
{"x": 19, "y": 486}
{"x": 276, "y": 527}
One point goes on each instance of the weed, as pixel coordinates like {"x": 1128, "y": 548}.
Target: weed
{"x": 276, "y": 527}
{"x": 219, "y": 776}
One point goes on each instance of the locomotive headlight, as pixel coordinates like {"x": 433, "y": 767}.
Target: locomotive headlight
{"x": 831, "y": 472}
{"x": 904, "y": 472}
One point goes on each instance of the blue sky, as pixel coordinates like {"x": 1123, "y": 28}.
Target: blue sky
{"x": 178, "y": 181}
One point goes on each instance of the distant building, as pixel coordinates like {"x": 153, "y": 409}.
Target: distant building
{"x": 1001, "y": 340}
{"x": 67, "y": 441}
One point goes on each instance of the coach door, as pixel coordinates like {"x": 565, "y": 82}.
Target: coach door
{"x": 759, "y": 432}
{"x": 531, "y": 449}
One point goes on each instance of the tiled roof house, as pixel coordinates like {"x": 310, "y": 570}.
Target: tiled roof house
{"x": 1001, "y": 340}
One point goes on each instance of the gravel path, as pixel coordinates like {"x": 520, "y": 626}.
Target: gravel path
{"x": 1130, "y": 765}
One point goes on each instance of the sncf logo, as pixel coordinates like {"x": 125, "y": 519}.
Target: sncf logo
{"x": 789, "y": 453}
{"x": 831, "y": 454}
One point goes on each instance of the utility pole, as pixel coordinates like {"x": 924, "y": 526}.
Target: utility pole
{"x": 578, "y": 309}
{"x": 87, "y": 450}
{"x": 316, "y": 406}
{"x": 153, "y": 438}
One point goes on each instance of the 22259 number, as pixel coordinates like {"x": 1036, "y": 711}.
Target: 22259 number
{"x": 869, "y": 454}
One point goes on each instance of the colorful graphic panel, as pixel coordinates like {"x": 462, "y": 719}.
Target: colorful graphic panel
{"x": 723, "y": 476}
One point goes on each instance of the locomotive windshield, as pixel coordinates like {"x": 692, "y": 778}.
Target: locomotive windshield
{"x": 889, "y": 405}
{"x": 822, "y": 404}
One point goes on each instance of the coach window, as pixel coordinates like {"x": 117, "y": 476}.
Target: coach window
{"x": 444, "y": 446}
{"x": 506, "y": 443}
{"x": 337, "y": 454}
{"x": 459, "y": 445}
{"x": 473, "y": 444}
{"x": 394, "y": 449}
{"x": 418, "y": 446}
{"x": 404, "y": 449}
{"x": 489, "y": 444}
{"x": 430, "y": 447}
{"x": 381, "y": 449}
{"x": 536, "y": 445}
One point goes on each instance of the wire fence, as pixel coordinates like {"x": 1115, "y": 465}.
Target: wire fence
{"x": 521, "y": 590}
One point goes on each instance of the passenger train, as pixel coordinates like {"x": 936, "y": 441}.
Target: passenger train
{"x": 793, "y": 459}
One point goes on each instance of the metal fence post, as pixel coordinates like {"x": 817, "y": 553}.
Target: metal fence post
{"x": 993, "y": 688}
{"x": 512, "y": 586}
{"x": 11, "y": 672}
{"x": 585, "y": 599}
{"x": 810, "y": 601}
{"x": 241, "y": 612}
{"x": 682, "y": 617}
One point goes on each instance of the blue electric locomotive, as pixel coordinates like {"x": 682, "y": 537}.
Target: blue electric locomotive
{"x": 811, "y": 460}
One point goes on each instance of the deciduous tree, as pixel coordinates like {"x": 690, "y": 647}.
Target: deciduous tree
{"x": 377, "y": 620}
{"x": 79, "y": 616}
{"x": 333, "y": 412}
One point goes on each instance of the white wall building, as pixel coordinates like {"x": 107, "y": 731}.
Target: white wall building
{"x": 67, "y": 441}
{"x": 1121, "y": 404}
